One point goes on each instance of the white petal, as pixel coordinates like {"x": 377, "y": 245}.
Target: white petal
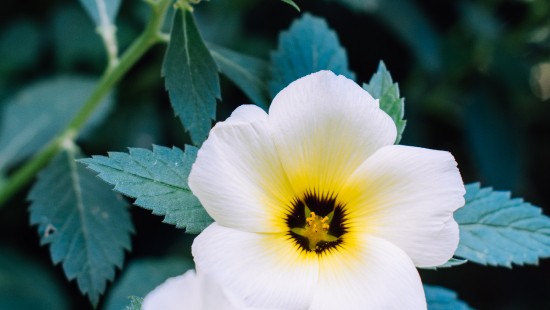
{"x": 237, "y": 175}
{"x": 373, "y": 274}
{"x": 324, "y": 127}
{"x": 175, "y": 293}
{"x": 407, "y": 195}
{"x": 264, "y": 270}
{"x": 191, "y": 291}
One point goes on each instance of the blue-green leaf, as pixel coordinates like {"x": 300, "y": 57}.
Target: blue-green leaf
{"x": 381, "y": 86}
{"x": 248, "y": 73}
{"x": 101, "y": 11}
{"x": 27, "y": 284}
{"x": 142, "y": 276}
{"x": 440, "y": 298}
{"x": 191, "y": 77}
{"x": 499, "y": 231}
{"x": 85, "y": 223}
{"x": 39, "y": 112}
{"x": 307, "y": 47}
{"x": 158, "y": 181}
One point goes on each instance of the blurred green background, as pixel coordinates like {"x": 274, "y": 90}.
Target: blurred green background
{"x": 473, "y": 74}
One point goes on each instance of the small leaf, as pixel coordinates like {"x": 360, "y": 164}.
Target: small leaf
{"x": 191, "y": 77}
{"x": 85, "y": 223}
{"x": 98, "y": 9}
{"x": 26, "y": 284}
{"x": 452, "y": 262}
{"x": 440, "y": 298}
{"x": 381, "y": 86}
{"x": 158, "y": 181}
{"x": 142, "y": 276}
{"x": 307, "y": 47}
{"x": 499, "y": 231}
{"x": 135, "y": 303}
{"x": 292, "y": 3}
{"x": 39, "y": 112}
{"x": 248, "y": 73}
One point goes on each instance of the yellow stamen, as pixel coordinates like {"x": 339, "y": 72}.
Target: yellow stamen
{"x": 315, "y": 230}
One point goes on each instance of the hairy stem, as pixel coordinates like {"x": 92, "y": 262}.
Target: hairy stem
{"x": 112, "y": 75}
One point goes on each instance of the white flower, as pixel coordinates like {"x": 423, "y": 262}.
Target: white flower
{"x": 192, "y": 292}
{"x": 315, "y": 208}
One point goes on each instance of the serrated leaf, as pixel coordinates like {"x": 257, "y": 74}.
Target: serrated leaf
{"x": 86, "y": 225}
{"x": 142, "y": 276}
{"x": 25, "y": 283}
{"x": 191, "y": 77}
{"x": 440, "y": 298}
{"x": 248, "y": 73}
{"x": 307, "y": 47}
{"x": 499, "y": 231}
{"x": 382, "y": 87}
{"x": 98, "y": 9}
{"x": 158, "y": 181}
{"x": 39, "y": 112}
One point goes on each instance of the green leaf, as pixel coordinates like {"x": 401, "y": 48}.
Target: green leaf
{"x": 27, "y": 284}
{"x": 85, "y": 223}
{"x": 69, "y": 25}
{"x": 381, "y": 86}
{"x": 191, "y": 77}
{"x": 499, "y": 231}
{"x": 248, "y": 73}
{"x": 142, "y": 276}
{"x": 158, "y": 181}
{"x": 292, "y": 3}
{"x": 307, "y": 47}
{"x": 39, "y": 112}
{"x": 99, "y": 9}
{"x": 440, "y": 298}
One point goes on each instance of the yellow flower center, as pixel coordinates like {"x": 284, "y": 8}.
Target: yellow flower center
{"x": 316, "y": 224}
{"x": 316, "y": 230}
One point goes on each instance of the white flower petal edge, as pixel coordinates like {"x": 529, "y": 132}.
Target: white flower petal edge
{"x": 174, "y": 293}
{"x": 407, "y": 195}
{"x": 265, "y": 270}
{"x": 237, "y": 175}
{"x": 194, "y": 292}
{"x": 376, "y": 275}
{"x": 324, "y": 126}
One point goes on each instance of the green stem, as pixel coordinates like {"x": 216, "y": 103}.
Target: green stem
{"x": 112, "y": 75}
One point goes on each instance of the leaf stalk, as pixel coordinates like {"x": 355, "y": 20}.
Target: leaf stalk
{"x": 114, "y": 72}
